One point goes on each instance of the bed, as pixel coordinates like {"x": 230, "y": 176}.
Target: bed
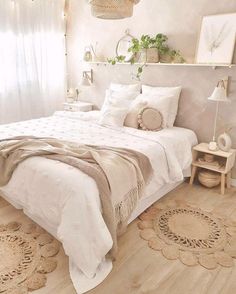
{"x": 66, "y": 202}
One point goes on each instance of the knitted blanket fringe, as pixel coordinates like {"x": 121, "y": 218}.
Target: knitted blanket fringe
{"x": 124, "y": 209}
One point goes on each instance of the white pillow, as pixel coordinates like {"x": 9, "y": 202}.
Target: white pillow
{"x": 116, "y": 107}
{"x": 113, "y": 116}
{"x": 122, "y": 98}
{"x": 125, "y": 87}
{"x": 159, "y": 102}
{"x": 167, "y": 91}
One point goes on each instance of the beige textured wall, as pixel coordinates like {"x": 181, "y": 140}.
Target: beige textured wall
{"x": 180, "y": 20}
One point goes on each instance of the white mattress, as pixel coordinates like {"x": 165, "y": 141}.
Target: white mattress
{"x": 66, "y": 202}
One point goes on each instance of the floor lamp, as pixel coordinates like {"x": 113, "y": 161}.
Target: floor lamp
{"x": 219, "y": 95}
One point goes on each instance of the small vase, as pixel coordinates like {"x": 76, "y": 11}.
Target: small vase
{"x": 224, "y": 142}
{"x": 88, "y": 55}
{"x": 212, "y": 146}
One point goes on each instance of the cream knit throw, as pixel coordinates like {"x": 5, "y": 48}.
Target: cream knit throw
{"x": 120, "y": 174}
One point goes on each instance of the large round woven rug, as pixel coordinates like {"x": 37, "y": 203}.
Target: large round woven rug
{"x": 189, "y": 234}
{"x": 25, "y": 257}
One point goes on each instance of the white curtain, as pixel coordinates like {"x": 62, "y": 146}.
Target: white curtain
{"x": 32, "y": 58}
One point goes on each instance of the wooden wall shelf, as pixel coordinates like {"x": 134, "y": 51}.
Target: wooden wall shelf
{"x": 214, "y": 66}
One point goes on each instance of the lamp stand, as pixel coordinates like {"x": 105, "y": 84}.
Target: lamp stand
{"x": 213, "y": 145}
{"x": 219, "y": 95}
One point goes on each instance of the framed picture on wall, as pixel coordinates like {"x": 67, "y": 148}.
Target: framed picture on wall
{"x": 217, "y": 39}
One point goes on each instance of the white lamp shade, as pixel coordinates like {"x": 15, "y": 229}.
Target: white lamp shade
{"x": 85, "y": 81}
{"x": 219, "y": 94}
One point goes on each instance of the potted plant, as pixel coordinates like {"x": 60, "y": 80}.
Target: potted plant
{"x": 153, "y": 49}
{"x": 145, "y": 49}
{"x": 149, "y": 49}
{"x": 171, "y": 56}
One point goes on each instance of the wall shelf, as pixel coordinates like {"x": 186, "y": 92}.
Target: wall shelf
{"x": 214, "y": 66}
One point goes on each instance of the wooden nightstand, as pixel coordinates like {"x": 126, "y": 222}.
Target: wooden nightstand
{"x": 78, "y": 106}
{"x": 226, "y": 160}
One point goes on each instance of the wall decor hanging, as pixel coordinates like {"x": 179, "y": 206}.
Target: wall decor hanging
{"x": 217, "y": 39}
{"x": 112, "y": 9}
{"x": 123, "y": 45}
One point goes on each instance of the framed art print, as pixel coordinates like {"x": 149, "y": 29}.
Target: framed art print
{"x": 217, "y": 39}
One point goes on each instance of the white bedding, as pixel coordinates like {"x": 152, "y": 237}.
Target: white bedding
{"x": 68, "y": 200}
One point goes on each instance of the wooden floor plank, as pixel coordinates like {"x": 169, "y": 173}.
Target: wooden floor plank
{"x": 140, "y": 270}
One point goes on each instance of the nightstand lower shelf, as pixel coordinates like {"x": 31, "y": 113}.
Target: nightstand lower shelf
{"x": 225, "y": 178}
{"x": 219, "y": 169}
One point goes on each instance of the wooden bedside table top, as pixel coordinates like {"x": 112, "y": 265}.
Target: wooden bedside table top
{"x": 78, "y": 106}
{"x": 203, "y": 147}
{"x": 78, "y": 103}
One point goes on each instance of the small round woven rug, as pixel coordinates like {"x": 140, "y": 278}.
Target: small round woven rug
{"x": 189, "y": 234}
{"x": 27, "y": 255}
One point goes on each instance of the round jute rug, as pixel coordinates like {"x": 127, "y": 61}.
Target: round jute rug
{"x": 26, "y": 252}
{"x": 189, "y": 234}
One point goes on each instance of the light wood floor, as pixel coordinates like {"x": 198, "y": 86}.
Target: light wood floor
{"x": 140, "y": 270}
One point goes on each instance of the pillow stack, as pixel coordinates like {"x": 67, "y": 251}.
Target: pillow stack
{"x": 117, "y": 104}
{"x": 156, "y": 108}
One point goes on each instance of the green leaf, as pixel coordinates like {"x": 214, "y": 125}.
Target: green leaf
{"x": 140, "y": 70}
{"x": 132, "y": 60}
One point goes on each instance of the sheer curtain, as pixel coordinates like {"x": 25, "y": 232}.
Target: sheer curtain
{"x": 32, "y": 58}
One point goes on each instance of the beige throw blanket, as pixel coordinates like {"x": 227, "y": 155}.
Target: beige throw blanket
{"x": 120, "y": 174}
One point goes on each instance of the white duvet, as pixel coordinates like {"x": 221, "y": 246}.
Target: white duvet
{"x": 67, "y": 201}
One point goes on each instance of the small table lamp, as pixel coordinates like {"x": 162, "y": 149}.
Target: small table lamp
{"x": 219, "y": 95}
{"x": 87, "y": 78}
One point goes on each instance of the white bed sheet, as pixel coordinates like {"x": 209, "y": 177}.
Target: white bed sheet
{"x": 68, "y": 200}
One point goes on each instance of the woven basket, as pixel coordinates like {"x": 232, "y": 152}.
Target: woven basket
{"x": 112, "y": 9}
{"x": 209, "y": 179}
{"x": 149, "y": 55}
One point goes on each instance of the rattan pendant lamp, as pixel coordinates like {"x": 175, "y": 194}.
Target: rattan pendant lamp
{"x": 112, "y": 9}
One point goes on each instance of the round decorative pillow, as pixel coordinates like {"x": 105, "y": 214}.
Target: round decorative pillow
{"x": 150, "y": 119}
{"x": 131, "y": 119}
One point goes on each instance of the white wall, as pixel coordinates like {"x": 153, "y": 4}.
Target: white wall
{"x": 180, "y": 20}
